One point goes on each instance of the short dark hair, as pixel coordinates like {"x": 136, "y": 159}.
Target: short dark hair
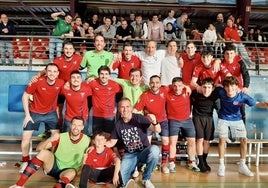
{"x": 104, "y": 68}
{"x": 76, "y": 72}
{"x": 77, "y": 118}
{"x": 207, "y": 52}
{"x": 230, "y": 47}
{"x": 127, "y": 44}
{"x": 97, "y": 35}
{"x": 230, "y": 80}
{"x": 135, "y": 70}
{"x": 170, "y": 41}
{"x": 207, "y": 81}
{"x": 155, "y": 76}
{"x": 52, "y": 64}
{"x": 176, "y": 79}
{"x": 98, "y": 133}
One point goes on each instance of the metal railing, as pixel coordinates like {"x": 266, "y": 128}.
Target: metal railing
{"x": 34, "y": 50}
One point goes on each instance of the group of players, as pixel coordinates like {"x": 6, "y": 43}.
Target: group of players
{"x": 184, "y": 104}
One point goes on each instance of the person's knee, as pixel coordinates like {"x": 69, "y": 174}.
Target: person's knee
{"x": 154, "y": 150}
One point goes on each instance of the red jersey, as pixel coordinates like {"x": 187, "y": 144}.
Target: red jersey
{"x": 103, "y": 98}
{"x": 231, "y": 33}
{"x": 100, "y": 160}
{"x": 153, "y": 104}
{"x": 76, "y": 102}
{"x": 125, "y": 66}
{"x": 201, "y": 72}
{"x": 178, "y": 106}
{"x": 45, "y": 95}
{"x": 66, "y": 67}
{"x": 235, "y": 69}
{"x": 188, "y": 67}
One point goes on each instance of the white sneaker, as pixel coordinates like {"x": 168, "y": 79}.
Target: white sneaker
{"x": 243, "y": 169}
{"x": 15, "y": 186}
{"x": 147, "y": 184}
{"x": 69, "y": 185}
{"x": 165, "y": 169}
{"x": 221, "y": 171}
{"x": 135, "y": 173}
{"x": 172, "y": 167}
{"x": 193, "y": 166}
{"x": 22, "y": 167}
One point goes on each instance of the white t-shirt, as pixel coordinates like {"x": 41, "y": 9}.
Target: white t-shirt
{"x": 150, "y": 65}
{"x": 169, "y": 70}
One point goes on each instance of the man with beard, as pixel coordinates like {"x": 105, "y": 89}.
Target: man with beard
{"x": 45, "y": 92}
{"x": 65, "y": 162}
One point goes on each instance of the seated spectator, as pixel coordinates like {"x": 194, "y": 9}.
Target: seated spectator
{"x": 155, "y": 29}
{"x": 78, "y": 31}
{"x": 169, "y": 33}
{"x": 124, "y": 32}
{"x": 94, "y": 21}
{"x": 107, "y": 30}
{"x": 209, "y": 38}
{"x": 140, "y": 33}
{"x": 116, "y": 23}
{"x": 231, "y": 35}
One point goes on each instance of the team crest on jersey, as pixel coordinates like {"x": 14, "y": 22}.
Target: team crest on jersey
{"x": 82, "y": 94}
{"x": 57, "y": 88}
{"x": 235, "y": 103}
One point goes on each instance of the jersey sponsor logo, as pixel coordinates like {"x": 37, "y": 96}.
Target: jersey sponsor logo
{"x": 235, "y": 103}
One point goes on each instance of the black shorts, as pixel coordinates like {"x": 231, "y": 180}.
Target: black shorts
{"x": 55, "y": 171}
{"x": 61, "y": 99}
{"x": 204, "y": 127}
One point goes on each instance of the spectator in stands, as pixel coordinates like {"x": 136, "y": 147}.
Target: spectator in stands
{"x": 124, "y": 33}
{"x": 131, "y": 131}
{"x": 115, "y": 22}
{"x": 170, "y": 19}
{"x": 62, "y": 30}
{"x": 78, "y": 31}
{"x": 150, "y": 60}
{"x": 107, "y": 30}
{"x": 153, "y": 101}
{"x": 169, "y": 33}
{"x": 250, "y": 38}
{"x": 140, "y": 32}
{"x": 94, "y": 21}
{"x": 231, "y": 35}
{"x": 76, "y": 101}
{"x": 189, "y": 26}
{"x": 42, "y": 109}
{"x": 230, "y": 121}
{"x": 6, "y": 28}
{"x": 103, "y": 101}
{"x": 131, "y": 18}
{"x": 203, "y": 105}
{"x": 128, "y": 62}
{"x": 101, "y": 165}
{"x": 220, "y": 27}
{"x": 171, "y": 64}
{"x": 209, "y": 38}
{"x": 259, "y": 37}
{"x": 179, "y": 120}
{"x": 64, "y": 163}
{"x": 182, "y": 30}
{"x": 155, "y": 29}
{"x": 93, "y": 59}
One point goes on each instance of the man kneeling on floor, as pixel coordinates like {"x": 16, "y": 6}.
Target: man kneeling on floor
{"x": 101, "y": 165}
{"x": 65, "y": 162}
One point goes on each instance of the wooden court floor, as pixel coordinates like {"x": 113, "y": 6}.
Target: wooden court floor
{"x": 182, "y": 178}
